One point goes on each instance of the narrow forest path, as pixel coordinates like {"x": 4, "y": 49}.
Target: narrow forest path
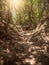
{"x": 26, "y": 46}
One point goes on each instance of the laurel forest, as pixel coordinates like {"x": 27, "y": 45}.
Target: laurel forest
{"x": 24, "y": 32}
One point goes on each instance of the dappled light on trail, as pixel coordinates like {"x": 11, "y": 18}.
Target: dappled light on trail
{"x": 24, "y": 32}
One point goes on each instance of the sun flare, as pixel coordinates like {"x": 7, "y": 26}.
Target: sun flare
{"x": 15, "y": 4}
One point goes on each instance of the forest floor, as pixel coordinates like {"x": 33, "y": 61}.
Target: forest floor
{"x": 24, "y": 48}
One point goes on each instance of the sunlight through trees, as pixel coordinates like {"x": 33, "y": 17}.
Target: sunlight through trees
{"x": 24, "y": 32}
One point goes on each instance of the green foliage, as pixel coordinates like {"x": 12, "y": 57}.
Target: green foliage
{"x": 32, "y": 12}
{"x": 0, "y": 10}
